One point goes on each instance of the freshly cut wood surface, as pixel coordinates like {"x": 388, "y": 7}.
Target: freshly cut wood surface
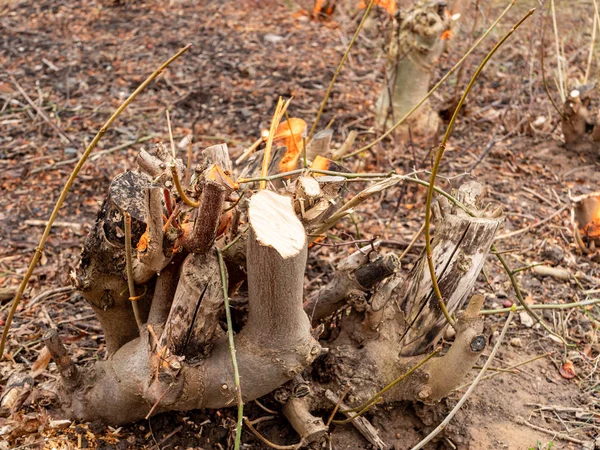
{"x": 275, "y": 224}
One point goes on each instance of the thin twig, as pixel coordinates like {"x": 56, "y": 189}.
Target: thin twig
{"x": 544, "y": 82}
{"x": 464, "y": 398}
{"x": 129, "y": 265}
{"x": 337, "y": 406}
{"x": 438, "y": 160}
{"x": 40, "y": 248}
{"x": 173, "y": 152}
{"x": 555, "y": 306}
{"x": 279, "y": 111}
{"x": 534, "y": 225}
{"x": 338, "y": 70}
{"x": 559, "y": 67}
{"x": 508, "y": 369}
{"x": 188, "y": 201}
{"x": 524, "y": 305}
{"x": 412, "y": 242}
{"x": 268, "y": 442}
{"x": 41, "y": 112}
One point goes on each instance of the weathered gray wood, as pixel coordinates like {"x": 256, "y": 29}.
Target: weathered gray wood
{"x": 193, "y": 325}
{"x": 363, "y": 426}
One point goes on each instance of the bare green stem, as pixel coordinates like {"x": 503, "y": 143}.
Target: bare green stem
{"x": 236, "y": 373}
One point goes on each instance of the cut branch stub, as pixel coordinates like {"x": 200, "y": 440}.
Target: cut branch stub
{"x": 157, "y": 166}
{"x": 354, "y": 274}
{"x": 580, "y": 120}
{"x": 208, "y": 216}
{"x": 460, "y": 247}
{"x": 413, "y": 51}
{"x": 193, "y": 322}
{"x": 586, "y": 221}
{"x": 275, "y": 224}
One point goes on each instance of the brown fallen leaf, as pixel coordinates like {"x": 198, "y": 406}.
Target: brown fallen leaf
{"x": 40, "y": 363}
{"x": 567, "y": 370}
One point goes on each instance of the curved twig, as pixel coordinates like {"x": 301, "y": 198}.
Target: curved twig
{"x": 438, "y": 160}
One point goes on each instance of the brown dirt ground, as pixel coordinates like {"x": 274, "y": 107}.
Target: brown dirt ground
{"x": 77, "y": 60}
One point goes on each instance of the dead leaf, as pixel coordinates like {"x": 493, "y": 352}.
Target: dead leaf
{"x": 567, "y": 370}
{"x": 41, "y": 363}
{"x": 290, "y": 133}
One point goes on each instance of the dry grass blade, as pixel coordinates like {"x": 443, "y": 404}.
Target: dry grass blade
{"x": 280, "y": 110}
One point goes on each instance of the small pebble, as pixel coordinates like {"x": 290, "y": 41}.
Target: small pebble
{"x": 507, "y": 303}
{"x": 516, "y": 342}
{"x": 526, "y": 319}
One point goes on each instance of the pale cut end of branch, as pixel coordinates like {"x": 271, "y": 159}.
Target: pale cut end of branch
{"x": 275, "y": 224}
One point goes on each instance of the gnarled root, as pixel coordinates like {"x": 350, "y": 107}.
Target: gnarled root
{"x": 403, "y": 320}
{"x": 180, "y": 358}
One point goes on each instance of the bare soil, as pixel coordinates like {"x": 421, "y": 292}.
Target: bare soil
{"x": 78, "y": 60}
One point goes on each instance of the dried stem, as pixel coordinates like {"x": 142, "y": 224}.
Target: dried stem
{"x": 464, "y": 398}
{"x": 268, "y": 442}
{"x": 556, "y": 306}
{"x": 129, "y": 265}
{"x": 338, "y": 70}
{"x": 188, "y": 201}
{"x": 508, "y": 369}
{"x": 173, "y": 153}
{"x": 524, "y": 305}
{"x": 279, "y": 111}
{"x": 40, "y": 248}
{"x": 438, "y": 160}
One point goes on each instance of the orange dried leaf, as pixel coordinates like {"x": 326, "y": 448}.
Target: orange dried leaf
{"x": 567, "y": 370}
{"x": 320, "y": 163}
{"x": 388, "y": 5}
{"x": 225, "y": 223}
{"x": 446, "y": 35}
{"x": 41, "y": 362}
{"x": 142, "y": 244}
{"x": 290, "y": 133}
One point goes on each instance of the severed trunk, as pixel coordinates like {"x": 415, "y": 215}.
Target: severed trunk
{"x": 414, "y": 49}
